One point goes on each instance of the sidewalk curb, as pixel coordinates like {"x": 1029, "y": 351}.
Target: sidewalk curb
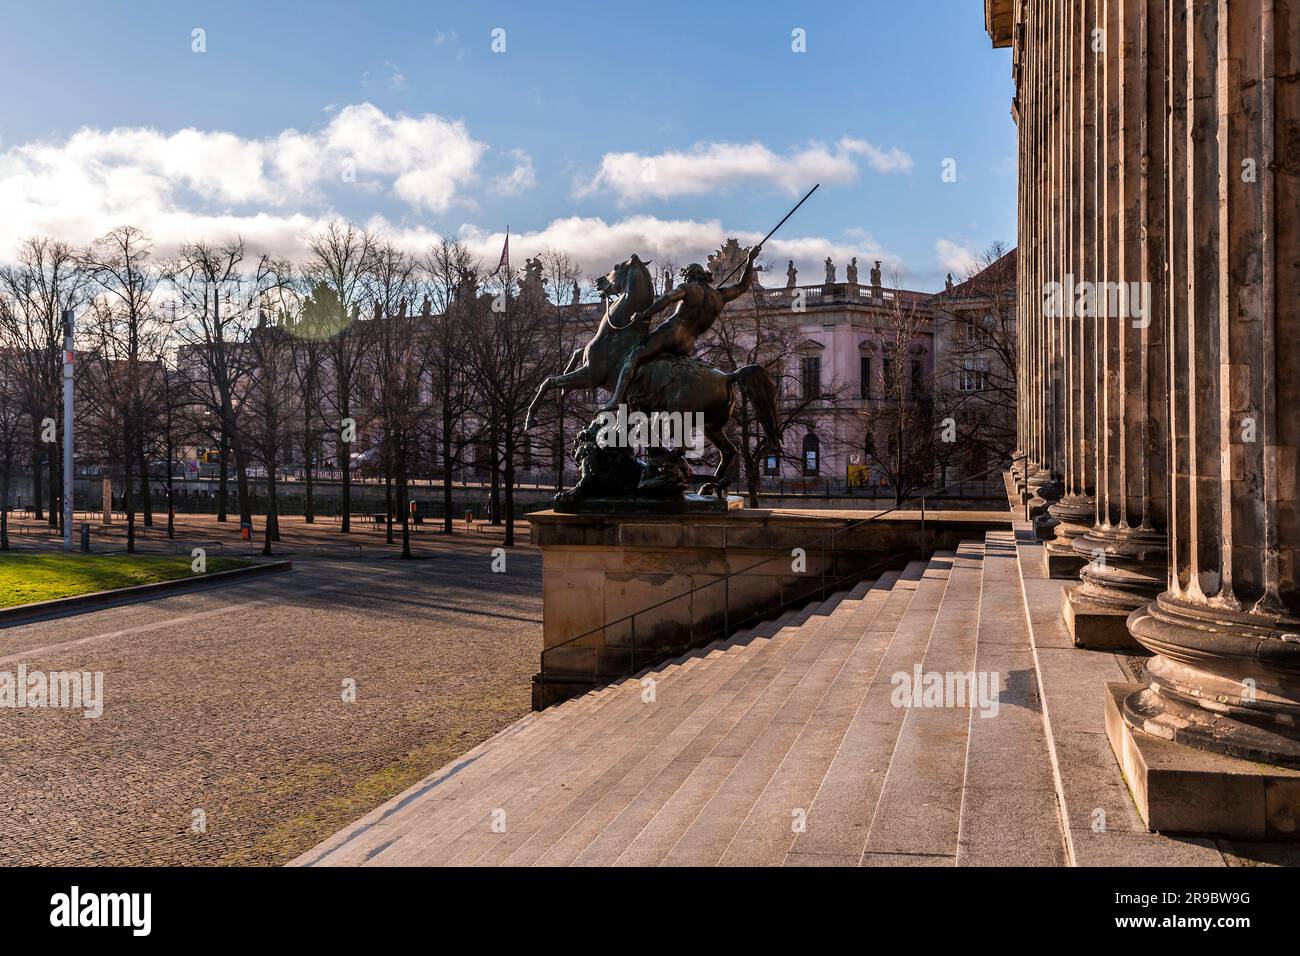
{"x": 136, "y": 593}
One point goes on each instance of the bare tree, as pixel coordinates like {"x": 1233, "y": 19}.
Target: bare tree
{"x": 212, "y": 285}
{"x": 272, "y": 395}
{"x": 903, "y": 411}
{"x": 452, "y": 286}
{"x": 759, "y": 329}
{"x": 397, "y": 357}
{"x": 573, "y": 327}
{"x": 341, "y": 255}
{"x": 977, "y": 324}
{"x": 46, "y": 280}
{"x": 513, "y": 349}
{"x": 124, "y": 335}
{"x": 310, "y": 371}
{"x": 11, "y": 415}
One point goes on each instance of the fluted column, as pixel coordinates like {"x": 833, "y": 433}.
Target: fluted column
{"x": 1075, "y": 512}
{"x": 1127, "y": 545}
{"x": 1043, "y": 63}
{"x": 1226, "y": 631}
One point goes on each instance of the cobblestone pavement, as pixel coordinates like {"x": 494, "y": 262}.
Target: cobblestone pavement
{"x": 229, "y": 700}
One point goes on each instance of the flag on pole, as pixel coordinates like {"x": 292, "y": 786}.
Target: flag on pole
{"x": 505, "y": 256}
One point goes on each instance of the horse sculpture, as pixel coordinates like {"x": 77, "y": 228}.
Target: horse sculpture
{"x": 667, "y": 383}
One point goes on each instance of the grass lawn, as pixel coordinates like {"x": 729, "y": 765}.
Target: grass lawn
{"x": 26, "y": 578}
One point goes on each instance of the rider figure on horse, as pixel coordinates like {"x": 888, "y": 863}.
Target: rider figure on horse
{"x": 698, "y": 306}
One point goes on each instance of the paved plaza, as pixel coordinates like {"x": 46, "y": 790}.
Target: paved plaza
{"x": 229, "y": 699}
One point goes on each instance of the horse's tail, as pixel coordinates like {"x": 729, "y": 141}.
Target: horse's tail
{"x": 760, "y": 390}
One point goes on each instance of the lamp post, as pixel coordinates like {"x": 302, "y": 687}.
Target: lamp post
{"x": 68, "y": 356}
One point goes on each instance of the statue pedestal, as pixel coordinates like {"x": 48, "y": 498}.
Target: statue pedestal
{"x": 621, "y": 592}
{"x": 685, "y": 505}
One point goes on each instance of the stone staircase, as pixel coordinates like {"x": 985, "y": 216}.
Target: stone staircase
{"x": 780, "y": 745}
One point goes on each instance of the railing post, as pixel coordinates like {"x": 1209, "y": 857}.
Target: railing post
{"x": 923, "y": 525}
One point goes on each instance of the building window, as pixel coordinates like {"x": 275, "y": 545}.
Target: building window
{"x": 811, "y": 455}
{"x": 864, "y": 371}
{"x": 916, "y": 379}
{"x": 811, "y": 376}
{"x": 973, "y": 376}
{"x": 887, "y": 376}
{"x": 771, "y": 465}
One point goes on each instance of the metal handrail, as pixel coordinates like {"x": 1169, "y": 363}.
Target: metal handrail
{"x": 725, "y": 579}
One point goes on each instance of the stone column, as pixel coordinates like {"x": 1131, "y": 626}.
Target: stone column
{"x": 1126, "y": 546}
{"x": 1039, "y": 480}
{"x": 1226, "y": 631}
{"x": 1074, "y": 513}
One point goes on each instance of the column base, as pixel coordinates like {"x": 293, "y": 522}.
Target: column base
{"x": 1060, "y": 560}
{"x": 1125, "y": 570}
{"x": 1182, "y": 790}
{"x": 1074, "y": 515}
{"x": 1223, "y": 680}
{"x": 1096, "y": 626}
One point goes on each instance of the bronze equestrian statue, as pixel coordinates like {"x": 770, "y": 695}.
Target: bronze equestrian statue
{"x": 653, "y": 371}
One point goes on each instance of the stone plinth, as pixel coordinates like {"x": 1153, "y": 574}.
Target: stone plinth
{"x": 667, "y": 570}
{"x": 1180, "y": 789}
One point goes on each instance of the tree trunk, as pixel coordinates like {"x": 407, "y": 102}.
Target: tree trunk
{"x": 223, "y": 477}
{"x": 494, "y": 462}
{"x": 146, "y": 500}
{"x": 345, "y": 466}
{"x": 36, "y": 469}
{"x": 272, "y": 506}
{"x": 128, "y": 505}
{"x": 446, "y": 468}
{"x": 171, "y": 502}
{"x": 241, "y": 484}
{"x": 308, "y": 507}
{"x": 56, "y": 484}
{"x": 404, "y": 502}
{"x": 510, "y": 486}
{"x": 388, "y": 499}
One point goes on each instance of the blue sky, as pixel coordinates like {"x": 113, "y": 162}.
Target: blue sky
{"x": 605, "y": 129}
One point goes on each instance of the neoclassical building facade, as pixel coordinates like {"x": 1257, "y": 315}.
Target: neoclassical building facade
{"x": 1159, "y": 316}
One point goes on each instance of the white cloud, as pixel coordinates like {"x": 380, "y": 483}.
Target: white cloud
{"x": 953, "y": 257}
{"x": 709, "y": 167}
{"x": 520, "y": 179}
{"x": 274, "y": 191}
{"x": 175, "y": 185}
{"x": 597, "y": 244}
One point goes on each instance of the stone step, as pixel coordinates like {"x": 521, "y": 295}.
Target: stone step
{"x": 439, "y": 801}
{"x": 569, "y": 793}
{"x": 1009, "y": 812}
{"x": 840, "y": 812}
{"x": 920, "y": 803}
{"x": 580, "y": 815}
{"x": 800, "y": 741}
{"x": 767, "y": 831}
{"x": 660, "y": 834}
{"x": 639, "y": 796}
{"x": 1100, "y": 822}
{"x": 574, "y": 748}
